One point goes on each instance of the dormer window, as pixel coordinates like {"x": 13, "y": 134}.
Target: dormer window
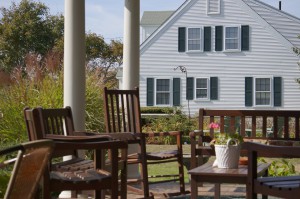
{"x": 213, "y": 6}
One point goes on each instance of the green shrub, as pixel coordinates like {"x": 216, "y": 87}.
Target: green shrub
{"x": 280, "y": 167}
{"x": 160, "y": 110}
{"x": 173, "y": 122}
{"x": 45, "y": 90}
{"x": 24, "y": 92}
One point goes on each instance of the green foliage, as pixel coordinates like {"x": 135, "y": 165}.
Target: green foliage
{"x": 27, "y": 28}
{"x": 172, "y": 122}
{"x": 280, "y": 167}
{"x": 4, "y": 179}
{"x": 164, "y": 110}
{"x": 222, "y": 138}
{"x": 25, "y": 91}
{"x": 95, "y": 46}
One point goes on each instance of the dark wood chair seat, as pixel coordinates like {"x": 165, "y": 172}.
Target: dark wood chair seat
{"x": 162, "y": 155}
{"x": 74, "y": 164}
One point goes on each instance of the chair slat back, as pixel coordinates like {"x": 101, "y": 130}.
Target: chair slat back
{"x": 57, "y": 121}
{"x": 122, "y": 110}
{"x": 285, "y": 123}
{"x": 40, "y": 122}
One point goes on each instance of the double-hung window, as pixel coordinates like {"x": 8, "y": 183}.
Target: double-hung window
{"x": 232, "y": 38}
{"x": 202, "y": 88}
{"x": 263, "y": 91}
{"x": 194, "y": 41}
{"x": 163, "y": 91}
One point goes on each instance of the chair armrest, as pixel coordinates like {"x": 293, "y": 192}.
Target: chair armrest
{"x": 85, "y": 133}
{"x": 272, "y": 150}
{"x": 75, "y": 145}
{"x": 74, "y": 138}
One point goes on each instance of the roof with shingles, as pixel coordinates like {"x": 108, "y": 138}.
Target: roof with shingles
{"x": 155, "y": 17}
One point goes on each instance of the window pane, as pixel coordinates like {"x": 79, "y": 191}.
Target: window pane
{"x": 194, "y": 45}
{"x": 231, "y": 43}
{"x": 163, "y": 85}
{"x": 263, "y": 91}
{"x": 194, "y": 39}
{"x": 162, "y": 91}
{"x": 162, "y": 99}
{"x": 201, "y": 93}
{"x": 201, "y": 83}
{"x": 201, "y": 88}
{"x": 194, "y": 33}
{"x": 231, "y": 32}
{"x": 263, "y": 84}
{"x": 263, "y": 98}
{"x": 231, "y": 38}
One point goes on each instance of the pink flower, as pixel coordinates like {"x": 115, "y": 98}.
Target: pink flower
{"x": 214, "y": 125}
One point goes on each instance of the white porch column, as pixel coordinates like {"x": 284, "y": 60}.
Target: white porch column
{"x": 74, "y": 64}
{"x": 131, "y": 58}
{"x": 74, "y": 60}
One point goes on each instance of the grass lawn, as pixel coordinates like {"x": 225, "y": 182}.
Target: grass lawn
{"x": 172, "y": 168}
{"x": 166, "y": 168}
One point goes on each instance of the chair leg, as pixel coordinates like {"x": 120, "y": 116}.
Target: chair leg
{"x": 181, "y": 175}
{"x": 98, "y": 194}
{"x": 145, "y": 183}
{"x": 123, "y": 185}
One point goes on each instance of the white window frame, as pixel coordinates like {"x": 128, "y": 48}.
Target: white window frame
{"x": 208, "y": 88}
{"x": 201, "y": 39}
{"x": 271, "y": 92}
{"x": 170, "y": 91}
{"x": 208, "y": 8}
{"x": 238, "y": 49}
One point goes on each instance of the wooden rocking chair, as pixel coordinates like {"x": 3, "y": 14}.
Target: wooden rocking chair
{"x": 78, "y": 173}
{"x": 29, "y": 165}
{"x": 122, "y": 114}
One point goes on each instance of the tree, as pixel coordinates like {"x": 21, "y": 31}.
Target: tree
{"x": 102, "y": 57}
{"x": 27, "y": 28}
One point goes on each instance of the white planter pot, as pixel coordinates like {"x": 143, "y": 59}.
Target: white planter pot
{"x": 227, "y": 156}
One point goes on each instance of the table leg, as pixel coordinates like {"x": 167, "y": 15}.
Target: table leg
{"x": 217, "y": 191}
{"x": 194, "y": 187}
{"x": 265, "y": 175}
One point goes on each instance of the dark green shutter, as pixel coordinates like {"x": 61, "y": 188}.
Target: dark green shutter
{"x": 219, "y": 38}
{"x": 214, "y": 88}
{"x": 207, "y": 38}
{"x": 189, "y": 88}
{"x": 277, "y": 91}
{"x": 248, "y": 91}
{"x": 176, "y": 91}
{"x": 150, "y": 91}
{"x": 245, "y": 38}
{"x": 181, "y": 39}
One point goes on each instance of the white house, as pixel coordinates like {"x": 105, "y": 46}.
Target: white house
{"x": 238, "y": 54}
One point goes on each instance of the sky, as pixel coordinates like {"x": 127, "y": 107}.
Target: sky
{"x": 105, "y": 17}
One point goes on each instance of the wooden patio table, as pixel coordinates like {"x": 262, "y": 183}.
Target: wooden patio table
{"x": 208, "y": 173}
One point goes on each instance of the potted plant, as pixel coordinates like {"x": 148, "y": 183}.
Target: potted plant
{"x": 227, "y": 148}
